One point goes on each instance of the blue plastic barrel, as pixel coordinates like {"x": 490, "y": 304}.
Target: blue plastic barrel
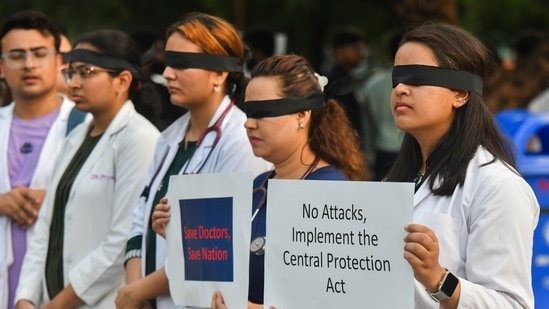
{"x": 530, "y": 134}
{"x": 540, "y": 262}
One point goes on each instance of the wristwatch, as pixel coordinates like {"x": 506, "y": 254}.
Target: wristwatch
{"x": 446, "y": 287}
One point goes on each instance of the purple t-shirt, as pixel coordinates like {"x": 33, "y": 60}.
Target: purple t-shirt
{"x": 25, "y": 144}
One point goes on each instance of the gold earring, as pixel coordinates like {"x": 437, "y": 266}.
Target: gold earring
{"x": 300, "y": 126}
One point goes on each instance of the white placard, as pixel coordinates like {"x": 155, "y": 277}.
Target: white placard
{"x": 208, "y": 238}
{"x": 337, "y": 244}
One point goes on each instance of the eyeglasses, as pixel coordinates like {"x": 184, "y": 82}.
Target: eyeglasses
{"x": 83, "y": 73}
{"x": 16, "y": 59}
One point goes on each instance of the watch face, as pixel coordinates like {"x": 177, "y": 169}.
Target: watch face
{"x": 258, "y": 245}
{"x": 446, "y": 288}
{"x": 450, "y": 284}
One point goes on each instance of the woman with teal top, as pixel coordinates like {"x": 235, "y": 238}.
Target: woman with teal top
{"x": 204, "y": 71}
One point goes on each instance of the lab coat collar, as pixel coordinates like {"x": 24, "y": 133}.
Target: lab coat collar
{"x": 422, "y": 192}
{"x": 7, "y": 111}
{"x": 425, "y": 190}
{"x": 118, "y": 123}
{"x": 75, "y": 139}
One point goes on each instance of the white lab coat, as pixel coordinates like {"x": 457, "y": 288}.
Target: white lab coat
{"x": 40, "y": 179}
{"x": 485, "y": 232}
{"x": 98, "y": 212}
{"x": 233, "y": 153}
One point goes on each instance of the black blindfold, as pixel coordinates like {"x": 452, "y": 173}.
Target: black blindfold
{"x": 437, "y": 76}
{"x": 103, "y": 61}
{"x": 281, "y": 107}
{"x": 211, "y": 62}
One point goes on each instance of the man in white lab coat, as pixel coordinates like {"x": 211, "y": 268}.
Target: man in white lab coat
{"x": 32, "y": 130}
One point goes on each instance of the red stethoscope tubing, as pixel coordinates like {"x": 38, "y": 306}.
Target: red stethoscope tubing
{"x": 216, "y": 127}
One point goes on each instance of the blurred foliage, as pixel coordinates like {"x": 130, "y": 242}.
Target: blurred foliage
{"x": 499, "y": 21}
{"x": 309, "y": 24}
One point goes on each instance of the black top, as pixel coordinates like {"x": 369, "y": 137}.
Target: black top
{"x": 54, "y": 258}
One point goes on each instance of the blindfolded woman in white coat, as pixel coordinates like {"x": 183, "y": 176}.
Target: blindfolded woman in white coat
{"x": 204, "y": 71}
{"x": 75, "y": 259}
{"x": 470, "y": 245}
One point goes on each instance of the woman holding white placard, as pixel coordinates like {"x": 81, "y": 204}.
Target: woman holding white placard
{"x": 293, "y": 124}
{"x": 470, "y": 244}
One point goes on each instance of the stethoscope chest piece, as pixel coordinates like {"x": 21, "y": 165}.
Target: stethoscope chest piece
{"x": 258, "y": 245}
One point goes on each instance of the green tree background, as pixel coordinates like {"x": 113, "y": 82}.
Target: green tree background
{"x": 308, "y": 24}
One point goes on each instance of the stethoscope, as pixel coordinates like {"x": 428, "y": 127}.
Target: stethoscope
{"x": 257, "y": 245}
{"x": 215, "y": 128}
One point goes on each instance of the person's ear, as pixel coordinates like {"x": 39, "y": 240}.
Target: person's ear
{"x": 304, "y": 115}
{"x": 461, "y": 98}
{"x": 219, "y": 78}
{"x": 303, "y": 118}
{"x": 125, "y": 81}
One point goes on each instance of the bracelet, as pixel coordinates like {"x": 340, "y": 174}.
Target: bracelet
{"x": 134, "y": 253}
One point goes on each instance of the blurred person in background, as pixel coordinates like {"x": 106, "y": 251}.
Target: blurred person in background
{"x": 64, "y": 49}
{"x": 381, "y": 136}
{"x": 261, "y": 44}
{"x": 349, "y": 50}
{"x": 516, "y": 88}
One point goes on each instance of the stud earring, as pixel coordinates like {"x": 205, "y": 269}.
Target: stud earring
{"x": 216, "y": 88}
{"x": 300, "y": 126}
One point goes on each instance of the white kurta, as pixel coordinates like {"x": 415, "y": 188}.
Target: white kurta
{"x": 233, "y": 153}
{"x": 98, "y": 212}
{"x": 485, "y": 231}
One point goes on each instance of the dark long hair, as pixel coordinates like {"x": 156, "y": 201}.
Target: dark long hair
{"x": 331, "y": 135}
{"x": 473, "y": 124}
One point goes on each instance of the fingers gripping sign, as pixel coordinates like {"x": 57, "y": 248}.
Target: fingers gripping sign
{"x": 421, "y": 250}
{"x": 161, "y": 217}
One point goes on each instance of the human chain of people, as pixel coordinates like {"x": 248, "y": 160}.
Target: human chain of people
{"x": 84, "y": 126}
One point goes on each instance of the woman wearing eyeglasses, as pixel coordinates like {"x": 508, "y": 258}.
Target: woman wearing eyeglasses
{"x": 75, "y": 259}
{"x": 204, "y": 58}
